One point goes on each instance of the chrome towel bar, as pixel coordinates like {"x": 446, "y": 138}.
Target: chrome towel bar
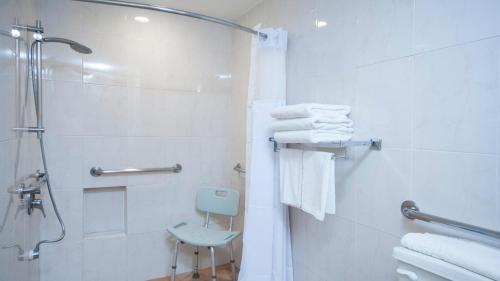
{"x": 373, "y": 143}
{"x": 410, "y": 210}
{"x": 97, "y": 171}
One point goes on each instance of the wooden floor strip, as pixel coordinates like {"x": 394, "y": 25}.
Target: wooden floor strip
{"x": 223, "y": 274}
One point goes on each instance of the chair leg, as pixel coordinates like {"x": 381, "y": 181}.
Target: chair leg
{"x": 196, "y": 274}
{"x": 174, "y": 261}
{"x": 212, "y": 255}
{"x": 232, "y": 261}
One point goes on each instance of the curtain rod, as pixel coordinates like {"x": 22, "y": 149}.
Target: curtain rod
{"x": 177, "y": 12}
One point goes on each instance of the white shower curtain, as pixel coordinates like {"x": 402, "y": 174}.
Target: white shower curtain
{"x": 266, "y": 238}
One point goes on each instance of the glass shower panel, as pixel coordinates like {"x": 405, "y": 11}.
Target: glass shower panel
{"x": 18, "y": 154}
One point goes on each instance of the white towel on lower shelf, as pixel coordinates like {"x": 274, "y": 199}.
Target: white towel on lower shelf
{"x": 291, "y": 177}
{"x": 310, "y": 110}
{"x": 307, "y": 181}
{"x": 474, "y": 256}
{"x": 341, "y": 123}
{"x": 311, "y": 136}
{"x": 317, "y": 179}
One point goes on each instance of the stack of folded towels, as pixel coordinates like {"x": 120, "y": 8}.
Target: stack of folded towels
{"x": 474, "y": 256}
{"x": 312, "y": 123}
{"x": 307, "y": 178}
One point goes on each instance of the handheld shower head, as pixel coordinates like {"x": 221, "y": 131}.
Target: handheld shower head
{"x": 74, "y": 45}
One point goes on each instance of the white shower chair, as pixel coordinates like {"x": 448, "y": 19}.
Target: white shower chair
{"x": 212, "y": 200}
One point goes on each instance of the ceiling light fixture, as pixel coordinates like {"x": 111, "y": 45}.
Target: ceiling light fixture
{"x": 141, "y": 19}
{"x": 320, "y": 23}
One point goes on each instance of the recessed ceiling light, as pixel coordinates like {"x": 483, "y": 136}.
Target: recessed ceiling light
{"x": 320, "y": 23}
{"x": 15, "y": 33}
{"x": 141, "y": 19}
{"x": 224, "y": 76}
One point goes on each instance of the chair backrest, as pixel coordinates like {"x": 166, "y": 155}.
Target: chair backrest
{"x": 218, "y": 200}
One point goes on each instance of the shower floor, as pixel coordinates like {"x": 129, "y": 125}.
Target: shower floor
{"x": 223, "y": 274}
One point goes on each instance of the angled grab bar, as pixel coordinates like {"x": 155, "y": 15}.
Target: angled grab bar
{"x": 97, "y": 171}
{"x": 410, "y": 210}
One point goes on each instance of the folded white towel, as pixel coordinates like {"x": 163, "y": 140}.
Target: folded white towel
{"x": 317, "y": 183}
{"x": 476, "y": 257}
{"x": 307, "y": 181}
{"x": 291, "y": 176}
{"x": 341, "y": 123}
{"x": 311, "y": 136}
{"x": 310, "y": 110}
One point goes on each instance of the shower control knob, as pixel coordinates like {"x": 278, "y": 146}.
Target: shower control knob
{"x": 38, "y": 204}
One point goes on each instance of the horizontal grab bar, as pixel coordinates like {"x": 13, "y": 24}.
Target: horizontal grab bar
{"x": 97, "y": 171}
{"x": 410, "y": 210}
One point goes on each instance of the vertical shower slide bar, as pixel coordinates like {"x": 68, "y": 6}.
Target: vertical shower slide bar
{"x": 17, "y": 90}
{"x": 39, "y": 106}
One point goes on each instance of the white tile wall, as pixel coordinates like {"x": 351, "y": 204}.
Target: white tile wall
{"x": 149, "y": 208}
{"x": 422, "y": 75}
{"x": 378, "y": 86}
{"x": 151, "y": 247}
{"x": 105, "y": 258}
{"x": 150, "y": 95}
{"x": 448, "y": 23}
{"x": 62, "y": 259}
{"x": 457, "y": 88}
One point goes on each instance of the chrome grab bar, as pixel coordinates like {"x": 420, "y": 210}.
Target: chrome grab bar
{"x": 410, "y": 210}
{"x": 238, "y": 168}
{"x": 97, "y": 171}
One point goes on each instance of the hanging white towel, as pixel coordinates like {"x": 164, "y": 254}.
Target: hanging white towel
{"x": 291, "y": 176}
{"x": 330, "y": 201}
{"x": 310, "y": 110}
{"x": 341, "y": 123}
{"x": 307, "y": 181}
{"x": 311, "y": 136}
{"x": 316, "y": 182}
{"x": 476, "y": 257}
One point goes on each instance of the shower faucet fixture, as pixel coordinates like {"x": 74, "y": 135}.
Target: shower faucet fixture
{"x": 34, "y": 54}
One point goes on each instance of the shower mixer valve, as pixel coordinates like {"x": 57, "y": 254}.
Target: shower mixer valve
{"x": 27, "y": 194}
{"x": 34, "y": 203}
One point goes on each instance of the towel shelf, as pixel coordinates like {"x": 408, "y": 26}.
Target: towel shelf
{"x": 410, "y": 210}
{"x": 373, "y": 143}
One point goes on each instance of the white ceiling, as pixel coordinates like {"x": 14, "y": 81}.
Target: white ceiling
{"x": 226, "y": 9}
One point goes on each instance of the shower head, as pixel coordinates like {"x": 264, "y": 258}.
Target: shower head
{"x": 74, "y": 45}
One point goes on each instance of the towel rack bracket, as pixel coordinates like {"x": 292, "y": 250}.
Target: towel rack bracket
{"x": 376, "y": 144}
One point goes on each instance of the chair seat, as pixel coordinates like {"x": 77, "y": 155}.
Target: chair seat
{"x": 200, "y": 236}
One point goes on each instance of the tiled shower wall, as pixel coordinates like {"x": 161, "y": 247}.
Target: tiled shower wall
{"x": 18, "y": 156}
{"x": 422, "y": 75}
{"x": 150, "y": 95}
